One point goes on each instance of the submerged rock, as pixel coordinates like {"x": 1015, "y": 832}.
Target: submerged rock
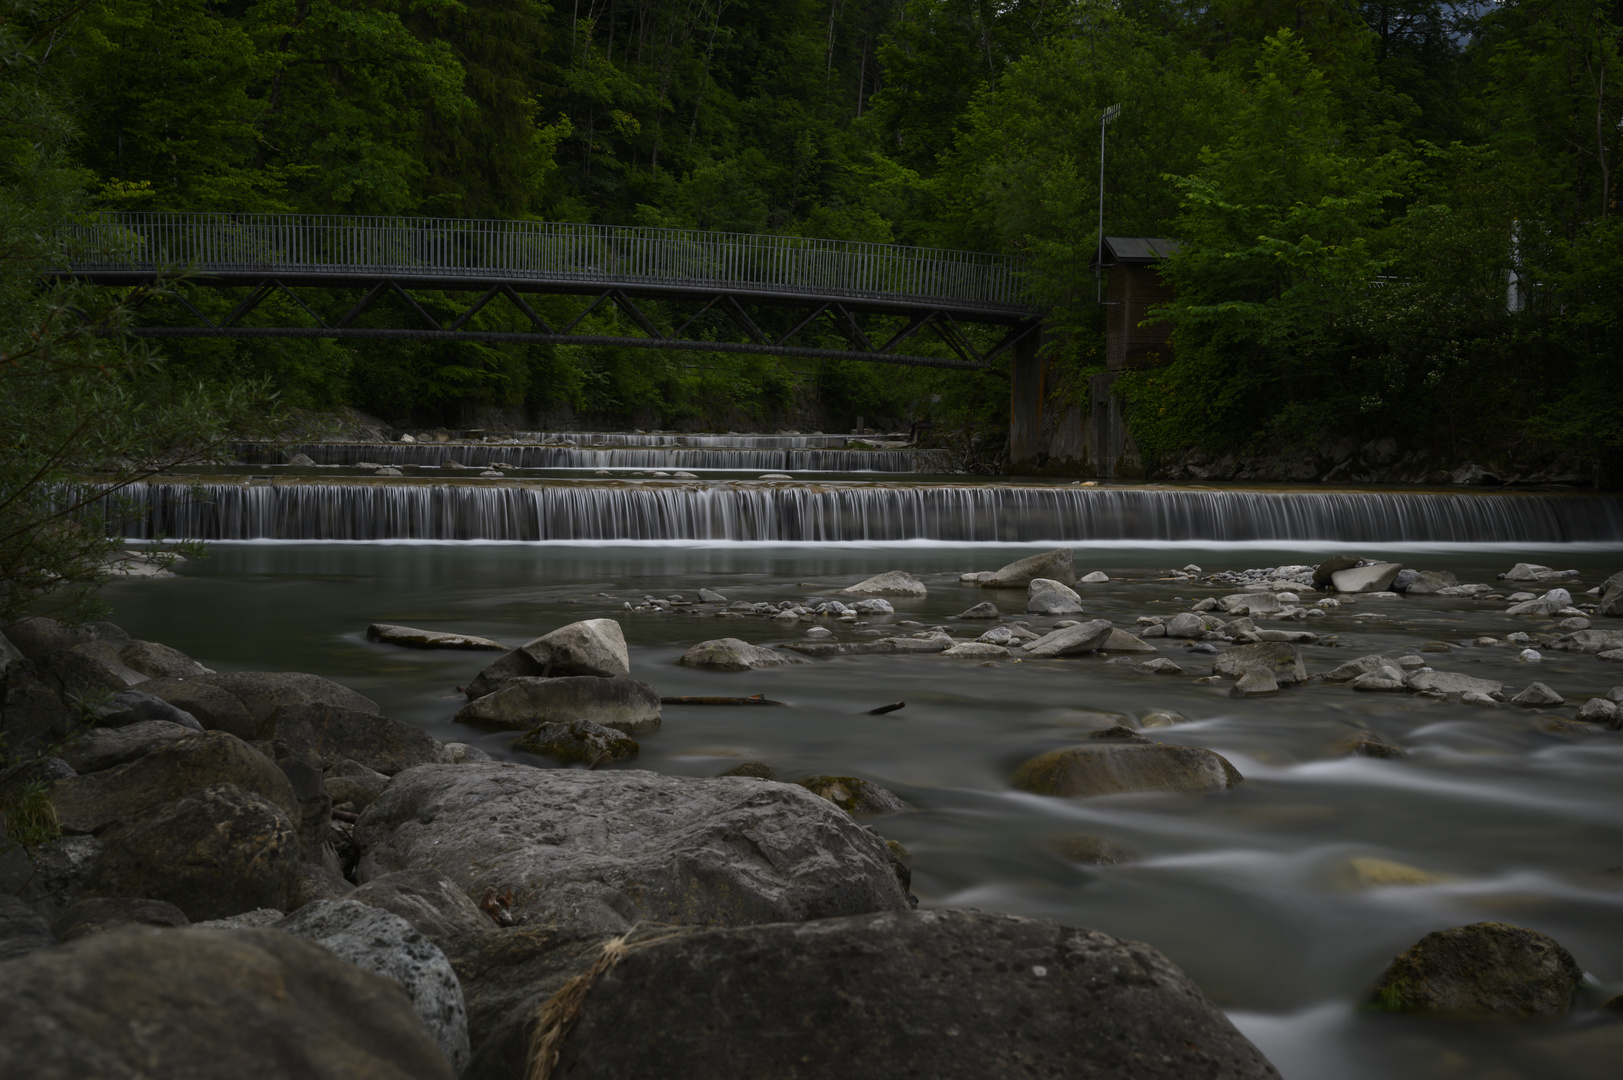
{"x": 606, "y": 849}
{"x": 977, "y": 650}
{"x": 1280, "y": 659}
{"x": 1255, "y": 682}
{"x": 734, "y": 654}
{"x": 1428, "y": 582}
{"x": 412, "y": 638}
{"x": 1104, "y": 769}
{"x": 983, "y": 610}
{"x": 528, "y": 702}
{"x": 251, "y": 1004}
{"x": 961, "y": 994}
{"x": 1482, "y": 971}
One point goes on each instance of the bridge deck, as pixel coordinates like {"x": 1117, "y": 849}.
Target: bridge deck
{"x": 466, "y": 254}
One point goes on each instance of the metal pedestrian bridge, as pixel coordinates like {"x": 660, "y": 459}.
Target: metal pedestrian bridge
{"x": 427, "y": 279}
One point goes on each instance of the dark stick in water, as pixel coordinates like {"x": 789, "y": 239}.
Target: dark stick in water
{"x": 883, "y": 709}
{"x": 753, "y": 699}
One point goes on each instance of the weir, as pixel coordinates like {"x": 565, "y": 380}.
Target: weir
{"x": 810, "y": 513}
{"x": 655, "y": 456}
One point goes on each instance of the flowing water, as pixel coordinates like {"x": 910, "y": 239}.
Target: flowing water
{"x": 1253, "y": 892}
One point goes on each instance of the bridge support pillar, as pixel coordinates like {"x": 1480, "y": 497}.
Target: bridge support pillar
{"x": 1026, "y": 378}
{"x": 1050, "y": 432}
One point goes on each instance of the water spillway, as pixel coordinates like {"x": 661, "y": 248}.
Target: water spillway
{"x": 476, "y": 455}
{"x": 811, "y": 513}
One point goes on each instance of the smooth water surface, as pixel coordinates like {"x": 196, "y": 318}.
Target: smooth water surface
{"x": 1250, "y": 891}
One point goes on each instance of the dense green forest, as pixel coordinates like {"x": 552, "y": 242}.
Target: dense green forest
{"x": 1354, "y": 184}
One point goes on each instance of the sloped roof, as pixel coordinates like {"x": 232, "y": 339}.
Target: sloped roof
{"x": 1137, "y": 250}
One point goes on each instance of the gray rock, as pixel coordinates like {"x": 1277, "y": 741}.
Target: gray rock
{"x": 1053, "y": 602}
{"x": 983, "y": 610}
{"x": 1120, "y": 641}
{"x": 103, "y": 748}
{"x": 1160, "y": 666}
{"x": 590, "y": 647}
{"x": 52, "y": 876}
{"x": 384, "y": 944}
{"x": 1482, "y": 971}
{"x": 1599, "y": 710}
{"x": 706, "y": 596}
{"x": 1387, "y": 680}
{"x": 1453, "y": 685}
{"x": 1527, "y": 572}
{"x": 317, "y": 881}
{"x": 101, "y": 914}
{"x": 301, "y": 459}
{"x": 1098, "y": 577}
{"x": 1428, "y": 582}
{"x": 1255, "y": 682}
{"x": 139, "y": 707}
{"x": 976, "y": 650}
{"x": 1255, "y": 603}
{"x": 412, "y": 638}
{"x": 962, "y": 994}
{"x": 159, "y": 661}
{"x": 890, "y": 583}
{"x": 351, "y": 782}
{"x": 216, "y": 852}
{"x": 87, "y": 672}
{"x": 604, "y": 849}
{"x": 529, "y": 702}
{"x": 1295, "y": 637}
{"x": 733, "y": 654}
{"x": 329, "y": 734}
{"x": 1611, "y": 602}
{"x": 1186, "y": 625}
{"x": 22, "y": 930}
{"x": 1071, "y": 641}
{"x": 314, "y": 818}
{"x": 857, "y": 797}
{"x": 1059, "y": 565}
{"x": 431, "y": 902}
{"x": 1364, "y": 665}
{"x": 1537, "y": 695}
{"x": 1039, "y": 585}
{"x": 94, "y": 802}
{"x": 1591, "y": 641}
{"x": 1335, "y": 563}
{"x": 243, "y": 702}
{"x": 1280, "y": 659}
{"x": 579, "y": 741}
{"x": 1105, "y": 769}
{"x": 1377, "y": 577}
{"x": 250, "y": 1004}
{"x": 10, "y": 654}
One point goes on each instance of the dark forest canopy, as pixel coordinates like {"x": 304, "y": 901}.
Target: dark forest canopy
{"x": 1304, "y": 152}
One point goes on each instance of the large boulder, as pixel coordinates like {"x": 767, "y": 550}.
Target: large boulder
{"x": 156, "y": 661}
{"x": 605, "y": 849}
{"x": 92, "y": 803}
{"x": 1070, "y": 641}
{"x": 129, "y": 707}
{"x": 1281, "y": 659}
{"x": 192, "y": 1003}
{"x": 1086, "y": 771}
{"x": 1590, "y": 641}
{"x": 890, "y": 583}
{"x": 87, "y": 671}
{"x": 214, "y": 853}
{"x": 103, "y": 748}
{"x": 1452, "y": 685}
{"x": 1332, "y": 565}
{"x": 52, "y": 876}
{"x": 413, "y": 638}
{"x": 529, "y": 702}
{"x": 1376, "y": 577}
{"x": 1482, "y": 971}
{"x": 1058, "y": 565}
{"x": 244, "y": 702}
{"x": 385, "y": 944}
{"x": 733, "y": 654}
{"x": 330, "y": 733}
{"x": 941, "y": 993}
{"x": 589, "y": 647}
{"x": 431, "y": 902}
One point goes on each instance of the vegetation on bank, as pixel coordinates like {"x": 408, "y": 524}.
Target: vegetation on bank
{"x": 1354, "y": 184}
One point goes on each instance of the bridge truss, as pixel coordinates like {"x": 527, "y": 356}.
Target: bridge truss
{"x": 769, "y": 290}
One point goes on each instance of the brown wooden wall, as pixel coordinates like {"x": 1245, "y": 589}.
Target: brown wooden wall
{"x": 1133, "y": 291}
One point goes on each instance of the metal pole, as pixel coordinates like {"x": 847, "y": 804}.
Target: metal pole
{"x": 1099, "y": 257}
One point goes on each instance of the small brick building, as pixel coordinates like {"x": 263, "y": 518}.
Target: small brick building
{"x": 1134, "y": 287}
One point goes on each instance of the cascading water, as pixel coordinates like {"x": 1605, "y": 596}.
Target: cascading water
{"x": 618, "y": 438}
{"x": 822, "y": 513}
{"x": 741, "y": 458}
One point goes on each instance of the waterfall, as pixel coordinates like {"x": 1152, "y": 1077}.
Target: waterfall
{"x": 320, "y": 510}
{"x": 737, "y": 458}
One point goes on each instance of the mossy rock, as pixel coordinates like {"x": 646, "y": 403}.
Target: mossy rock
{"x": 857, "y": 797}
{"x": 1482, "y": 971}
{"x": 760, "y": 770}
{"x": 1107, "y": 768}
{"x": 579, "y": 741}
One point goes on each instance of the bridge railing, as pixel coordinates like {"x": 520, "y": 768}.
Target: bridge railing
{"x": 553, "y": 251}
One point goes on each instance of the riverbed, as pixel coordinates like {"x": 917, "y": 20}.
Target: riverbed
{"x": 1255, "y": 892}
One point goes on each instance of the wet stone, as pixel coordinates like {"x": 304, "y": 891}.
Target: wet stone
{"x": 579, "y": 741}
{"x": 1485, "y": 970}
